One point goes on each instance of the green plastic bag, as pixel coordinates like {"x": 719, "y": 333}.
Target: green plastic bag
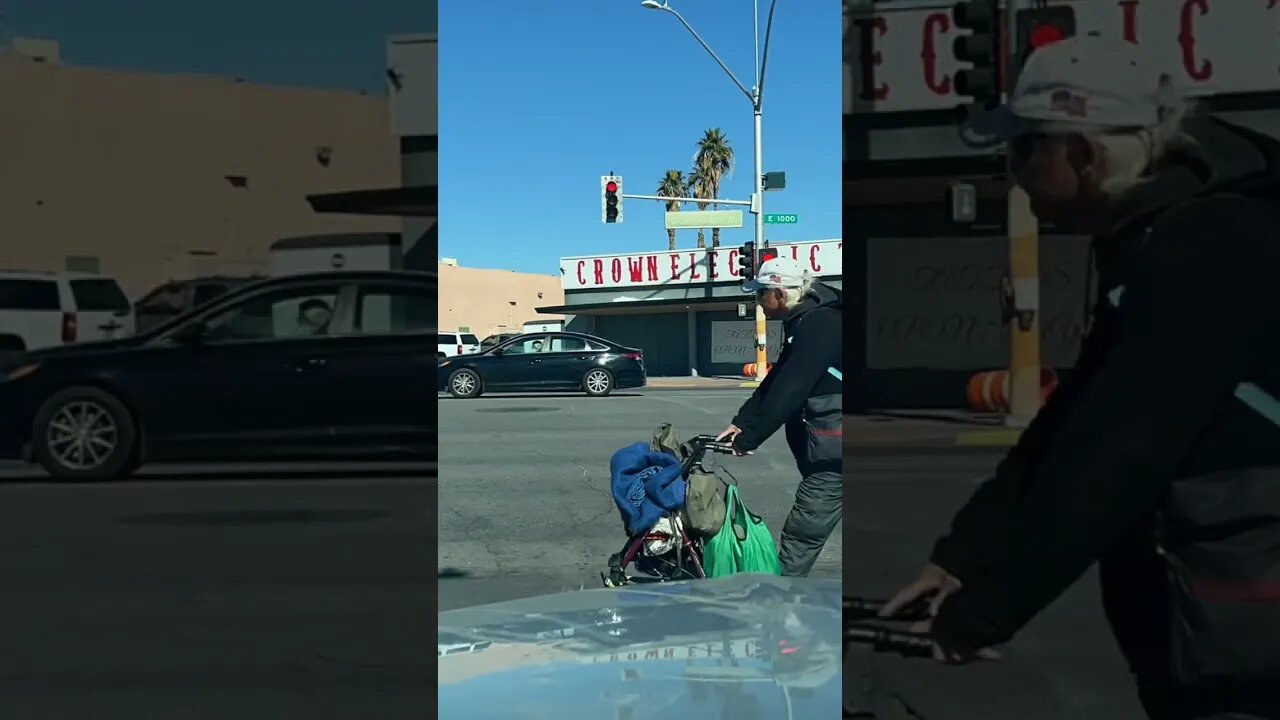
{"x": 743, "y": 545}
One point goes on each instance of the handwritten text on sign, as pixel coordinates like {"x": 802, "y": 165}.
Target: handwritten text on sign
{"x": 935, "y": 302}
{"x": 900, "y": 59}
{"x": 689, "y": 267}
{"x": 735, "y": 341}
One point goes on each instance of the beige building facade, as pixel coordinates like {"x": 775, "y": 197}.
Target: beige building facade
{"x": 486, "y": 302}
{"x": 155, "y": 177}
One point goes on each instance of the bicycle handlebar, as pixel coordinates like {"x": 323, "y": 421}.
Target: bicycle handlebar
{"x": 908, "y": 644}
{"x": 857, "y": 608}
{"x": 699, "y": 443}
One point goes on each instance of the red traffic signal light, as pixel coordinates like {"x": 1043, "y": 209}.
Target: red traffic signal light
{"x": 766, "y": 255}
{"x": 611, "y": 186}
{"x": 1041, "y": 27}
{"x": 1044, "y": 35}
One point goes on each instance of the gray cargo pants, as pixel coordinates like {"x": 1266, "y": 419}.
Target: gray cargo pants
{"x": 818, "y": 508}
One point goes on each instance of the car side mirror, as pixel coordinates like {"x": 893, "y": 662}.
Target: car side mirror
{"x": 190, "y": 334}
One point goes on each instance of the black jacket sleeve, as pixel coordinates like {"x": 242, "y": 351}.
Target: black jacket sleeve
{"x": 978, "y": 531}
{"x": 1191, "y": 327}
{"x": 815, "y": 347}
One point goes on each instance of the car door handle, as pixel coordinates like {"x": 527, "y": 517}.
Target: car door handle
{"x": 310, "y": 363}
{"x": 113, "y": 325}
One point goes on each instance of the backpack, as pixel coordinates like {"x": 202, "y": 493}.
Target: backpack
{"x": 704, "y": 505}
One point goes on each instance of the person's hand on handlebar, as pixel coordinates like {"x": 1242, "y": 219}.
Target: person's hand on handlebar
{"x": 935, "y": 583}
{"x": 730, "y": 434}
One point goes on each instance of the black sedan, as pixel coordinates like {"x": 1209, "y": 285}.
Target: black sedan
{"x": 539, "y": 362}
{"x": 305, "y": 367}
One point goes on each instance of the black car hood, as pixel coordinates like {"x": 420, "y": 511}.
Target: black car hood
{"x": 748, "y": 645}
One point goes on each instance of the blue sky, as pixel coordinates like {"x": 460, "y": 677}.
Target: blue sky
{"x": 539, "y": 99}
{"x": 316, "y": 43}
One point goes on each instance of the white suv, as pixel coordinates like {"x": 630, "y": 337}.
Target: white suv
{"x": 45, "y": 309}
{"x": 453, "y": 344}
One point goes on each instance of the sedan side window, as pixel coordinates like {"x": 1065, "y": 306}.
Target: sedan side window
{"x": 292, "y": 313}
{"x": 535, "y": 344}
{"x": 568, "y": 344}
{"x": 396, "y": 309}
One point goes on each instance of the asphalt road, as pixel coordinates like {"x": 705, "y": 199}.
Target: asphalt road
{"x": 525, "y": 507}
{"x": 218, "y": 592}
{"x": 526, "y": 510}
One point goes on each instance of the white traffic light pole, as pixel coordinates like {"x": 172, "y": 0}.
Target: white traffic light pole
{"x": 755, "y": 95}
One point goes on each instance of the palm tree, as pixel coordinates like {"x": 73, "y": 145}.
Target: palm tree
{"x": 714, "y": 160}
{"x": 673, "y": 185}
{"x": 700, "y": 186}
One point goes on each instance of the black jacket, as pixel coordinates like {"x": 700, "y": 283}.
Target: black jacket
{"x": 1187, "y": 310}
{"x": 804, "y": 390}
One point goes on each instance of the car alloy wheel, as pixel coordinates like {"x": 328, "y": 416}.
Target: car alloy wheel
{"x": 597, "y": 382}
{"x": 82, "y": 435}
{"x": 464, "y": 384}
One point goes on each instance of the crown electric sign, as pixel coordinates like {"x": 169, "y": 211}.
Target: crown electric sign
{"x": 901, "y": 58}
{"x": 688, "y": 267}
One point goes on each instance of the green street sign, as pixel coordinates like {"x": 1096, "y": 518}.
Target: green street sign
{"x": 704, "y": 219}
{"x": 780, "y": 219}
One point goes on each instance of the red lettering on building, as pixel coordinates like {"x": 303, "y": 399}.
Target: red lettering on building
{"x": 581, "y": 264}
{"x": 615, "y": 270}
{"x": 693, "y": 267}
{"x": 813, "y": 259}
{"x": 635, "y": 268}
{"x": 711, "y": 263}
{"x": 1129, "y": 15}
{"x": 1187, "y": 40}
{"x": 934, "y": 25}
{"x": 733, "y": 263}
{"x": 653, "y": 268}
{"x": 870, "y": 29}
{"x": 675, "y": 266}
{"x": 598, "y": 266}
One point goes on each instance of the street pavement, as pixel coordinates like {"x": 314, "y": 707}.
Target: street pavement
{"x": 525, "y": 510}
{"x": 210, "y": 592}
{"x": 525, "y": 506}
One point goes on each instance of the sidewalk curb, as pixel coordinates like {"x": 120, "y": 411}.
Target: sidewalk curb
{"x": 1004, "y": 437}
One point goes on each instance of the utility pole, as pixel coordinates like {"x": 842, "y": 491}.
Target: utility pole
{"x": 755, "y": 95}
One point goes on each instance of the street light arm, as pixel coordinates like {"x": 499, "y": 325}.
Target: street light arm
{"x": 712, "y": 53}
{"x": 764, "y": 59}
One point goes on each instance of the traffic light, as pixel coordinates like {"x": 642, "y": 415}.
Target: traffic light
{"x": 1038, "y": 27}
{"x": 981, "y": 49}
{"x": 766, "y": 254}
{"x": 747, "y": 261}
{"x": 611, "y": 198}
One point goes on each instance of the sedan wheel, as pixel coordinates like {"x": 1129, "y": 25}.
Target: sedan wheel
{"x": 464, "y": 384}
{"x": 84, "y": 433}
{"x": 597, "y": 382}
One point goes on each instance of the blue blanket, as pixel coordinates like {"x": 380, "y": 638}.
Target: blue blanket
{"x": 646, "y": 485}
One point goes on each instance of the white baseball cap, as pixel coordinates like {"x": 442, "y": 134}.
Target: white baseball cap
{"x": 779, "y": 272}
{"x": 1085, "y": 81}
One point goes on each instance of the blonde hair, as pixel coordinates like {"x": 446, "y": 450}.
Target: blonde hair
{"x": 1125, "y": 158}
